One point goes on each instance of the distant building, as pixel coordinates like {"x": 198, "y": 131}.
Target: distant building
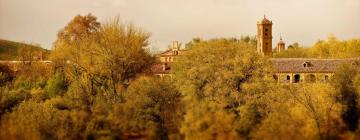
{"x": 164, "y": 60}
{"x": 285, "y": 70}
{"x": 306, "y": 70}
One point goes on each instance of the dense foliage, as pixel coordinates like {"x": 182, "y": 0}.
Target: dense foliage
{"x": 99, "y": 88}
{"x": 330, "y": 48}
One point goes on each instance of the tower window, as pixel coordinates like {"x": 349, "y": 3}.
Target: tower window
{"x": 266, "y": 34}
{"x": 266, "y": 30}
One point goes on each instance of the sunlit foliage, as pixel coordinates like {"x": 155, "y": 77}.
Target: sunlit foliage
{"x": 100, "y": 88}
{"x": 330, "y": 48}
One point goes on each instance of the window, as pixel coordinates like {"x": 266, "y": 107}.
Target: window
{"x": 297, "y": 78}
{"x": 326, "y": 77}
{"x": 266, "y": 30}
{"x": 266, "y": 34}
{"x": 306, "y": 64}
{"x": 288, "y": 77}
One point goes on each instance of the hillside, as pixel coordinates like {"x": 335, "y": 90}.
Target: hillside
{"x": 9, "y": 49}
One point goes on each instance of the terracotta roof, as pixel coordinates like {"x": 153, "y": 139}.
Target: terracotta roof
{"x": 307, "y": 65}
{"x": 158, "y": 68}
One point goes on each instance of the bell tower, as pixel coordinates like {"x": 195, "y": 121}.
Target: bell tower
{"x": 264, "y": 37}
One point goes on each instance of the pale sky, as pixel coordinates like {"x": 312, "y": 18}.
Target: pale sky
{"x": 303, "y": 21}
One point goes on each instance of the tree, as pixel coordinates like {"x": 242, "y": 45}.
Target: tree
{"x": 152, "y": 106}
{"x": 346, "y": 81}
{"x": 108, "y": 56}
{"x": 79, "y": 28}
{"x": 56, "y": 85}
{"x": 219, "y": 73}
{"x": 308, "y": 111}
{"x": 335, "y": 48}
{"x": 120, "y": 52}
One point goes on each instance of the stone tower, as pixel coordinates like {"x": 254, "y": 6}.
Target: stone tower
{"x": 280, "y": 46}
{"x": 264, "y": 37}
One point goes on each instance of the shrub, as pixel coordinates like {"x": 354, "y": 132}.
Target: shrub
{"x": 56, "y": 85}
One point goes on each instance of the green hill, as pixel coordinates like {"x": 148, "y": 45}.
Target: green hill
{"x": 9, "y": 49}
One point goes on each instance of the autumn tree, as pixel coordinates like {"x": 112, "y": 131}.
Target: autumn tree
{"x": 305, "y": 111}
{"x": 78, "y": 28}
{"x": 215, "y": 75}
{"x": 120, "y": 52}
{"x": 347, "y": 82}
{"x": 106, "y": 56}
{"x": 335, "y": 48}
{"x": 152, "y": 109}
{"x": 70, "y": 44}
{"x": 332, "y": 47}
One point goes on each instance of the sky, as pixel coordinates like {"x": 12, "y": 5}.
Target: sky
{"x": 302, "y": 21}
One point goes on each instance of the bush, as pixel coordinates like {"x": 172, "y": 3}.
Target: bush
{"x": 56, "y": 85}
{"x": 11, "y": 99}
